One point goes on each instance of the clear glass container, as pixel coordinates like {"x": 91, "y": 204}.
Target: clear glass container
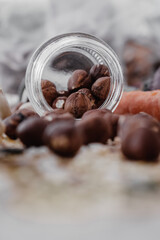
{"x": 57, "y": 58}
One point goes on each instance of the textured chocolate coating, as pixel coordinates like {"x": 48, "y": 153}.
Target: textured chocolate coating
{"x": 77, "y": 104}
{"x": 63, "y": 138}
{"x": 101, "y": 87}
{"x": 30, "y": 131}
{"x": 79, "y": 79}
{"x": 98, "y": 71}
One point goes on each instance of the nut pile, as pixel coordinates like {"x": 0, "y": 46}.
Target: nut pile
{"x": 86, "y": 91}
{"x": 64, "y": 135}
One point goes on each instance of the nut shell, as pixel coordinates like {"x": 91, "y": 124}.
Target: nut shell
{"x": 101, "y": 87}
{"x": 88, "y": 93}
{"x": 79, "y": 79}
{"x": 98, "y": 71}
{"x": 49, "y": 91}
{"x": 77, "y": 104}
{"x": 141, "y": 144}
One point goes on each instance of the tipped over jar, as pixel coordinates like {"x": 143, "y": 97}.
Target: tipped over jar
{"x": 74, "y": 72}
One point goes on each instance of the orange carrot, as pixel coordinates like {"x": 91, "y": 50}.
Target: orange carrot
{"x": 139, "y": 101}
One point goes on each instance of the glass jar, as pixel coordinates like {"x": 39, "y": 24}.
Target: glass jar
{"x": 57, "y": 58}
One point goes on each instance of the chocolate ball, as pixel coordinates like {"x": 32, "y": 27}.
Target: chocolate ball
{"x": 79, "y": 79}
{"x": 63, "y": 138}
{"x": 30, "y": 131}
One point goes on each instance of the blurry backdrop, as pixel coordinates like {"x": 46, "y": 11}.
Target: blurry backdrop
{"x": 130, "y": 27}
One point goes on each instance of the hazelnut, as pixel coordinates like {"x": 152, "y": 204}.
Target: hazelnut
{"x": 59, "y": 102}
{"x": 88, "y": 93}
{"x": 79, "y": 79}
{"x": 49, "y": 91}
{"x": 47, "y": 84}
{"x": 111, "y": 124}
{"x": 63, "y": 138}
{"x": 141, "y": 144}
{"x": 128, "y": 123}
{"x": 94, "y": 129}
{"x": 77, "y": 104}
{"x": 30, "y": 131}
{"x": 98, "y": 71}
{"x": 14, "y": 120}
{"x": 101, "y": 87}
{"x": 96, "y": 112}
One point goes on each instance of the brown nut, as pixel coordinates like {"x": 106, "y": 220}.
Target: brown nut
{"x": 59, "y": 102}
{"x": 101, "y": 87}
{"x": 112, "y": 124}
{"x": 79, "y": 79}
{"x": 30, "y": 131}
{"x": 128, "y": 123}
{"x": 63, "y": 138}
{"x": 94, "y": 129}
{"x": 96, "y": 112}
{"x": 52, "y": 117}
{"x": 98, "y": 71}
{"x": 88, "y": 93}
{"x": 47, "y": 84}
{"x": 49, "y": 91}
{"x": 14, "y": 120}
{"x": 141, "y": 144}
{"x": 77, "y": 104}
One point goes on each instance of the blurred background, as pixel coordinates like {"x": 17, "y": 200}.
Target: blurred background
{"x": 130, "y": 27}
